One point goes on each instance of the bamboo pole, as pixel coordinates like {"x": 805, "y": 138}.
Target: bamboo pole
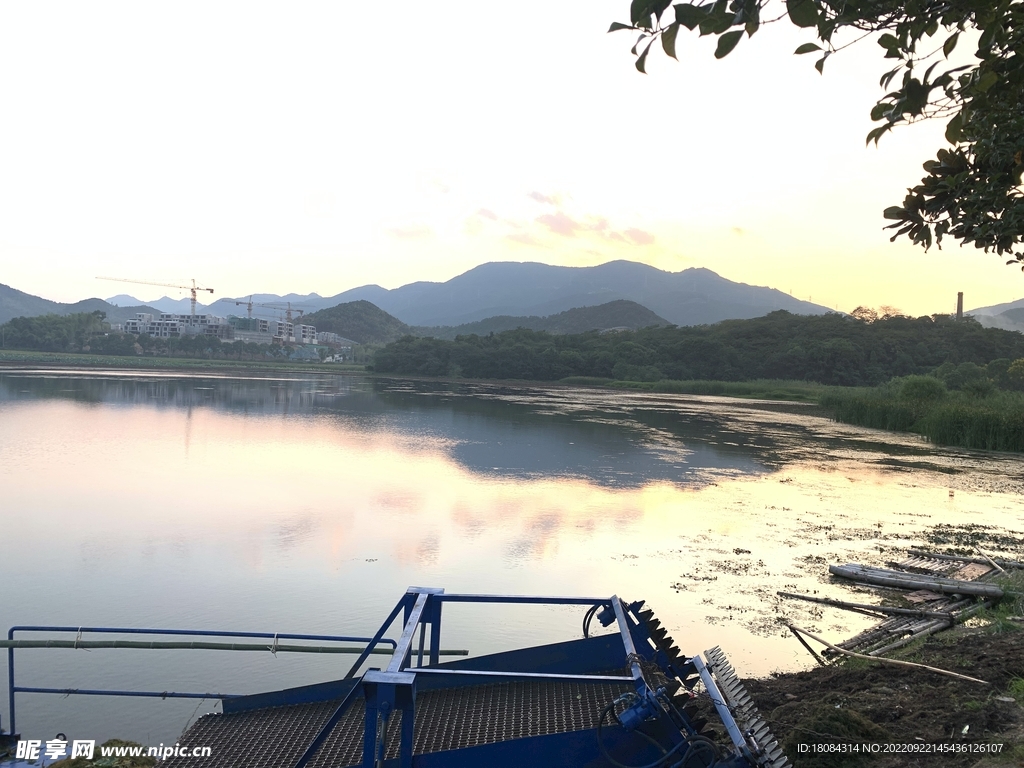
{"x": 895, "y": 579}
{"x": 993, "y": 562}
{"x": 163, "y": 645}
{"x": 931, "y": 629}
{"x": 961, "y": 559}
{"x": 881, "y": 660}
{"x": 863, "y": 606}
{"x": 805, "y": 644}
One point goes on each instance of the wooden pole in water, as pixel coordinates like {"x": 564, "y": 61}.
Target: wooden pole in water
{"x": 993, "y": 562}
{"x": 881, "y": 660}
{"x": 810, "y": 650}
{"x": 898, "y": 580}
{"x": 959, "y": 558}
{"x": 863, "y": 606}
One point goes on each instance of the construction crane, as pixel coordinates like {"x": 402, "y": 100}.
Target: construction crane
{"x": 276, "y": 306}
{"x": 287, "y": 309}
{"x": 193, "y": 288}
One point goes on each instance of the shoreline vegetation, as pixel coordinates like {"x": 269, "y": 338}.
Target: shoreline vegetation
{"x": 14, "y": 359}
{"x": 922, "y": 405}
{"x": 953, "y": 382}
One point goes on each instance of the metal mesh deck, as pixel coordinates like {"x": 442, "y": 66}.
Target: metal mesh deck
{"x": 446, "y": 719}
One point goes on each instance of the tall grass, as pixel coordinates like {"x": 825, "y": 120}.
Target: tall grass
{"x": 993, "y": 422}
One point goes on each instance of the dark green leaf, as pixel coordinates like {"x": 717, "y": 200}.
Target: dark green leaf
{"x": 722, "y": 22}
{"x": 641, "y": 62}
{"x": 803, "y": 13}
{"x": 640, "y": 10}
{"x": 894, "y": 212}
{"x": 987, "y": 38}
{"x": 727, "y": 42}
{"x": 616, "y": 26}
{"x": 690, "y": 15}
{"x": 668, "y": 39}
{"x": 888, "y": 76}
{"x": 876, "y": 133}
{"x": 820, "y": 63}
{"x": 889, "y": 42}
{"x": 986, "y": 81}
{"x": 880, "y": 110}
{"x": 807, "y": 48}
{"x": 950, "y": 44}
{"x": 753, "y": 17}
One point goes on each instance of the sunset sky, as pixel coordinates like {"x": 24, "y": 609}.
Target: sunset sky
{"x": 273, "y": 147}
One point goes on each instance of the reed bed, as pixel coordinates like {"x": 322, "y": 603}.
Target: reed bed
{"x": 993, "y": 422}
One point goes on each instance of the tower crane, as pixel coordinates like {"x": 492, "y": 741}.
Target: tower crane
{"x": 286, "y": 309}
{"x": 276, "y": 306}
{"x": 193, "y": 288}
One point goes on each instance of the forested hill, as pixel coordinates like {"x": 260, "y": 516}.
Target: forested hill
{"x": 831, "y": 349}
{"x": 620, "y": 314}
{"x": 15, "y": 303}
{"x": 360, "y": 321}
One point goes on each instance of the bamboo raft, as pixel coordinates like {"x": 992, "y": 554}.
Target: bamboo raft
{"x": 949, "y": 588}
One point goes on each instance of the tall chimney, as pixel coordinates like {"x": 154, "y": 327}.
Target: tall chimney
{"x": 960, "y": 305}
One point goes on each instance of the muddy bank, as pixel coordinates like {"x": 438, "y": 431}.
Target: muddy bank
{"x": 859, "y": 702}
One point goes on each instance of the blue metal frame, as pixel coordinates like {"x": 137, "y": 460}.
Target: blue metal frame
{"x": 12, "y": 689}
{"x": 632, "y": 648}
{"x": 394, "y": 688}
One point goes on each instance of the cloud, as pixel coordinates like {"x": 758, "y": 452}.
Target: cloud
{"x": 487, "y": 214}
{"x": 560, "y": 224}
{"x": 524, "y": 239}
{"x": 638, "y": 236}
{"x": 548, "y": 200}
{"x": 412, "y": 231}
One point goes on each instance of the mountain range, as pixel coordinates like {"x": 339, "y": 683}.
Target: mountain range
{"x": 1008, "y": 316}
{"x": 615, "y": 315}
{"x": 15, "y": 303}
{"x": 500, "y": 295}
{"x": 522, "y": 289}
{"x": 690, "y": 297}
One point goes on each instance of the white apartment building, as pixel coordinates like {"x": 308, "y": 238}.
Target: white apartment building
{"x": 168, "y": 325}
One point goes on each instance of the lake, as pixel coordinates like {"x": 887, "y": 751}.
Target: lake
{"x": 308, "y": 503}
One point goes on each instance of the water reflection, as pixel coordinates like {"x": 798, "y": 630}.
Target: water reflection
{"x": 307, "y": 504}
{"x": 497, "y": 431}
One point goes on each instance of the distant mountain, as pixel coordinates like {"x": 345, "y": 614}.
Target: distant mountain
{"x": 1015, "y": 315}
{"x": 529, "y": 289}
{"x": 996, "y": 309}
{"x": 228, "y": 306}
{"x": 360, "y": 321}
{"x": 15, "y": 303}
{"x": 1008, "y": 316}
{"x": 690, "y": 297}
{"x": 615, "y": 314}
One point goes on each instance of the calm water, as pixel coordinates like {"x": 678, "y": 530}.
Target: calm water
{"x": 308, "y": 504}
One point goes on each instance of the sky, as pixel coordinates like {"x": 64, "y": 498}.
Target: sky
{"x": 296, "y": 147}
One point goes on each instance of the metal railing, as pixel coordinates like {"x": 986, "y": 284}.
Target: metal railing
{"x": 393, "y": 688}
{"x": 371, "y": 644}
